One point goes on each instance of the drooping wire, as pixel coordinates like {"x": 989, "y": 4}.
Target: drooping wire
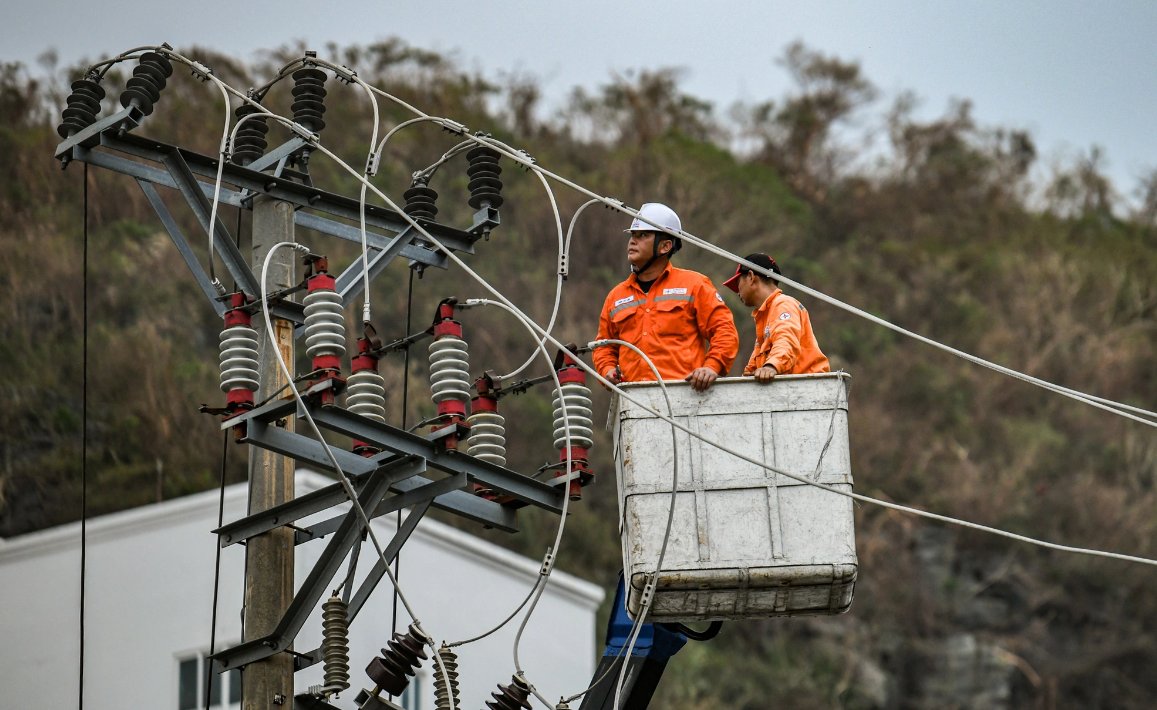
{"x": 602, "y": 380}
{"x": 405, "y": 400}
{"x": 217, "y": 568}
{"x": 220, "y": 522}
{"x": 83, "y": 433}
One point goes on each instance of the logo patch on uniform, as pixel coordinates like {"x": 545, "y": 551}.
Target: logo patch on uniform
{"x": 719, "y": 297}
{"x": 627, "y": 299}
{"x": 669, "y": 291}
{"x": 784, "y": 316}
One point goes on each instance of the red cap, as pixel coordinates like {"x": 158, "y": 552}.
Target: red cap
{"x": 759, "y": 260}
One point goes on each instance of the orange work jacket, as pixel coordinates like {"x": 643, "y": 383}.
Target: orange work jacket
{"x": 681, "y": 323}
{"x": 784, "y": 338}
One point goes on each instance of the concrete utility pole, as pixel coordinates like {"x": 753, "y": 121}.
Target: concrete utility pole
{"x": 268, "y": 684}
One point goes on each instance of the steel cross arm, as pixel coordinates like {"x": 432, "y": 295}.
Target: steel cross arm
{"x": 374, "y": 240}
{"x": 351, "y": 282}
{"x": 90, "y": 136}
{"x": 391, "y": 551}
{"x": 400, "y": 468}
{"x": 285, "y": 189}
{"x": 311, "y": 452}
{"x": 312, "y": 588}
{"x": 428, "y": 491}
{"x": 201, "y": 207}
{"x": 274, "y": 156}
{"x": 230, "y": 197}
{"x": 391, "y": 438}
{"x": 182, "y": 246}
{"x": 371, "y": 581}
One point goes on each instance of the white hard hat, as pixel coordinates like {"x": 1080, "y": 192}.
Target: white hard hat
{"x": 658, "y": 213}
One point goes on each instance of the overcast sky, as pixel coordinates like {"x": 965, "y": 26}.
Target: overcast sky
{"x": 1073, "y": 73}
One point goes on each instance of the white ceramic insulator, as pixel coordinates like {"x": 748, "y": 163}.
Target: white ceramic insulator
{"x": 239, "y": 366}
{"x": 324, "y": 324}
{"x": 578, "y": 411}
{"x": 366, "y": 395}
{"x": 487, "y": 437}
{"x": 449, "y": 370}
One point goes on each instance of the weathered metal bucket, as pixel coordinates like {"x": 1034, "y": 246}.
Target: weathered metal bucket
{"x": 745, "y": 542}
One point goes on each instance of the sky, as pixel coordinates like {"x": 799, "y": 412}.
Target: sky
{"x": 1075, "y": 74}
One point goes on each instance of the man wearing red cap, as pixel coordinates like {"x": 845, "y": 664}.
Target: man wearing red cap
{"x": 784, "y": 341}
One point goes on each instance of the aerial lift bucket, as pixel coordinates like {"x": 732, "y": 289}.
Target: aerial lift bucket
{"x": 745, "y": 542}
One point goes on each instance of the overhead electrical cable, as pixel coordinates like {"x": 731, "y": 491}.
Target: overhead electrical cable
{"x": 351, "y": 494}
{"x": 83, "y": 433}
{"x": 914, "y": 511}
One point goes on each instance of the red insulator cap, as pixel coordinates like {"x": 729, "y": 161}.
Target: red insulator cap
{"x": 452, "y": 406}
{"x": 364, "y": 361}
{"x": 577, "y": 453}
{"x": 239, "y": 396}
{"x": 322, "y": 281}
{"x": 572, "y": 374}
{"x": 484, "y": 403}
{"x": 234, "y": 316}
{"x": 327, "y": 362}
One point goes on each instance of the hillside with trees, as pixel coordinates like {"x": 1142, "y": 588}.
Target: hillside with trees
{"x": 947, "y": 227}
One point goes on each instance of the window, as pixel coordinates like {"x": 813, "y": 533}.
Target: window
{"x": 193, "y": 676}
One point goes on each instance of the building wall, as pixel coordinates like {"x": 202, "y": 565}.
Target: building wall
{"x": 150, "y": 593}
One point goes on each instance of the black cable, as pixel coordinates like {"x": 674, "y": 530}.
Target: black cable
{"x": 83, "y": 436}
{"x": 217, "y": 565}
{"x": 405, "y": 398}
{"x": 706, "y": 635}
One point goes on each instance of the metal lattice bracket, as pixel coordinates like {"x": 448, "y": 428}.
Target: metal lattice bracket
{"x": 412, "y": 471}
{"x": 398, "y": 470}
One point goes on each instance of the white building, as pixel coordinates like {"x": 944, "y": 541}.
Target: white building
{"x": 150, "y": 594}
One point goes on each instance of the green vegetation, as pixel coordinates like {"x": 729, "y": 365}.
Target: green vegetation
{"x": 944, "y": 233}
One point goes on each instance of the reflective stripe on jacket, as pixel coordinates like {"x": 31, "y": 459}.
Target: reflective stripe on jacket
{"x": 681, "y": 323}
{"x": 784, "y": 338}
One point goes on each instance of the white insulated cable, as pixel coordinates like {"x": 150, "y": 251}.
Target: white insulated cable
{"x": 345, "y": 482}
{"x": 563, "y": 258}
{"x": 866, "y": 499}
{"x": 651, "y": 586}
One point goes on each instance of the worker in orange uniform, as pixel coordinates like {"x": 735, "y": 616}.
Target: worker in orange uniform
{"x": 673, "y": 315}
{"x": 784, "y": 341}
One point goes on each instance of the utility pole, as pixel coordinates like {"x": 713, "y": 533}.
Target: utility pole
{"x": 268, "y": 684}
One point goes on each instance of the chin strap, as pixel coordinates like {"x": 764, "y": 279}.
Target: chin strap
{"x": 655, "y": 256}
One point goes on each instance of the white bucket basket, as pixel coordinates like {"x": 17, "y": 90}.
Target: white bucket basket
{"x": 745, "y": 542}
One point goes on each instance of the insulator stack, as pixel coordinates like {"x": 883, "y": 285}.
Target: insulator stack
{"x": 420, "y": 202}
{"x": 143, "y": 89}
{"x": 308, "y": 97}
{"x": 397, "y": 664}
{"x": 577, "y": 397}
{"x": 335, "y": 651}
{"x": 442, "y": 695}
{"x": 511, "y": 697}
{"x": 487, "y": 427}
{"x": 485, "y": 187}
{"x": 449, "y": 370}
{"x": 324, "y": 324}
{"x": 81, "y": 108}
{"x": 250, "y": 143}
{"x": 366, "y": 392}
{"x": 240, "y": 369}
